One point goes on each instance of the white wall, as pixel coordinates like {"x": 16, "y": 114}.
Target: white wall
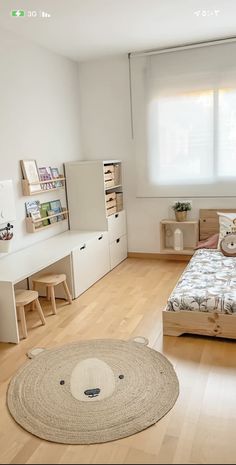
{"x": 106, "y": 133}
{"x": 39, "y": 119}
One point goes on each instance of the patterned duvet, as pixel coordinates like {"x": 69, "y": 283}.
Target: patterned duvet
{"x": 207, "y": 285}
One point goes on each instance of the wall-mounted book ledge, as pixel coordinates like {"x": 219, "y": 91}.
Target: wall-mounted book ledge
{"x": 34, "y": 188}
{"x": 37, "y": 225}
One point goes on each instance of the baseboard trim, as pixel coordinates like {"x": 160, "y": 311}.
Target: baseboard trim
{"x": 159, "y": 256}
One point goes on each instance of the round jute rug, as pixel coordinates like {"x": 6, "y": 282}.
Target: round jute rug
{"x": 92, "y": 391}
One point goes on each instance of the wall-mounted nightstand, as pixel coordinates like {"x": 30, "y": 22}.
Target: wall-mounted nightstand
{"x": 190, "y": 231}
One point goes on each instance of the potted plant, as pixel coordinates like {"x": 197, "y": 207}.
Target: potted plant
{"x": 181, "y": 209}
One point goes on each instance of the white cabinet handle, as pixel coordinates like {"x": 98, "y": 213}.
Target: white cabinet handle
{"x": 83, "y": 247}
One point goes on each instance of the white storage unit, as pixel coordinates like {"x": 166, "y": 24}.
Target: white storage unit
{"x": 118, "y": 251}
{"x": 93, "y": 188}
{"x": 117, "y": 226}
{"x": 91, "y": 261}
{"x": 117, "y": 238}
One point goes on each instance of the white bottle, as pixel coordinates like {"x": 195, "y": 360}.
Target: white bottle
{"x": 178, "y": 239}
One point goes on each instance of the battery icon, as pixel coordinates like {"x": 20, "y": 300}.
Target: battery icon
{"x": 18, "y": 13}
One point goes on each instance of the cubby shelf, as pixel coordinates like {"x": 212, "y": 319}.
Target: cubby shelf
{"x": 112, "y": 187}
{"x": 31, "y": 225}
{"x": 190, "y": 227}
{"x": 28, "y": 192}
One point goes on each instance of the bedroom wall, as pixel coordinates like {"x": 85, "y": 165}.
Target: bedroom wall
{"x": 39, "y": 119}
{"x": 106, "y": 133}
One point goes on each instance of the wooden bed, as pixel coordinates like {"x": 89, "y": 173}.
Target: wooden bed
{"x": 207, "y": 324}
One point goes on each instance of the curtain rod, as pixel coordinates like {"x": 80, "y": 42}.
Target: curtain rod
{"x": 183, "y": 47}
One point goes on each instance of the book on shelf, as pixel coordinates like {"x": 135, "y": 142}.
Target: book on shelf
{"x": 45, "y": 175}
{"x": 56, "y": 207}
{"x": 56, "y": 175}
{"x": 33, "y": 211}
{"x": 44, "y": 208}
{"x": 30, "y": 173}
{"x": 54, "y": 218}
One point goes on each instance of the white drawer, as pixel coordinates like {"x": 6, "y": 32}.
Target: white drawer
{"x": 118, "y": 251}
{"x": 116, "y": 226}
{"x": 90, "y": 262}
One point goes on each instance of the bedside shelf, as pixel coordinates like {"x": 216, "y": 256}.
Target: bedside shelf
{"x": 190, "y": 229}
{"x": 171, "y": 250}
{"x": 179, "y": 222}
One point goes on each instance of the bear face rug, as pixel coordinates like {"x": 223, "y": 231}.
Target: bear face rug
{"x": 92, "y": 391}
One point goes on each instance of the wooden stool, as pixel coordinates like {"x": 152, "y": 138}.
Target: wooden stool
{"x": 50, "y": 281}
{"x": 24, "y": 297}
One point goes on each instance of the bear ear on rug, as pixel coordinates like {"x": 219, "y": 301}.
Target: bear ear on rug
{"x": 35, "y": 352}
{"x": 140, "y": 340}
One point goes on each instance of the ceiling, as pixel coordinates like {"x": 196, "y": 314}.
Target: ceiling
{"x": 90, "y": 29}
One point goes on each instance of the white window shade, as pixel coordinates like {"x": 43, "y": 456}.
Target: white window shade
{"x": 184, "y": 115}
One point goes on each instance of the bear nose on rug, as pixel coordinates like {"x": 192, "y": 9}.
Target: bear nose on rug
{"x": 92, "y": 392}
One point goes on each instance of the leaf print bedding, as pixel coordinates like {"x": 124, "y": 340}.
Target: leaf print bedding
{"x": 208, "y": 284}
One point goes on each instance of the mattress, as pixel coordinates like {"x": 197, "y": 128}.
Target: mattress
{"x": 208, "y": 284}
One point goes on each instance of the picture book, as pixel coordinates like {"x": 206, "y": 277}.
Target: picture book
{"x": 45, "y": 175}
{"x": 30, "y": 172}
{"x": 54, "y": 219}
{"x": 32, "y": 206}
{"x": 33, "y": 210}
{"x": 56, "y": 175}
{"x": 55, "y": 206}
{"x": 44, "y": 208}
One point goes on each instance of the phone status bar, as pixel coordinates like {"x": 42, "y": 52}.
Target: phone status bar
{"x": 30, "y": 14}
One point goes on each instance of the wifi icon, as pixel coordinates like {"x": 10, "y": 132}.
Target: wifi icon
{"x": 44, "y": 14}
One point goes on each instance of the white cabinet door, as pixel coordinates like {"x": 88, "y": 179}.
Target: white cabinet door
{"x": 101, "y": 256}
{"x": 118, "y": 251}
{"x": 116, "y": 225}
{"x": 81, "y": 268}
{"x": 90, "y": 262}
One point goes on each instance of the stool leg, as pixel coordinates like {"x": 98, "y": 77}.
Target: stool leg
{"x": 32, "y": 307}
{"x": 53, "y": 301}
{"x": 40, "y": 311}
{"x": 23, "y": 322}
{"x": 67, "y": 292}
{"x": 48, "y": 293}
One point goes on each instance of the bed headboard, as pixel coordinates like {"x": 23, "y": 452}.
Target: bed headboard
{"x": 209, "y": 221}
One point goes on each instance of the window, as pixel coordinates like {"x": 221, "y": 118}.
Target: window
{"x": 226, "y": 164}
{"x": 184, "y": 106}
{"x": 180, "y": 138}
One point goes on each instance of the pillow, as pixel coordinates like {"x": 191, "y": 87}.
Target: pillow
{"x": 228, "y": 245}
{"x": 227, "y": 222}
{"x": 210, "y": 243}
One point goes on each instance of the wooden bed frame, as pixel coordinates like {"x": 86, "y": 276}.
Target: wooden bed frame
{"x": 207, "y": 324}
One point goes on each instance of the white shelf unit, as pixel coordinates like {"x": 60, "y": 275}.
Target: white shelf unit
{"x": 189, "y": 228}
{"x": 93, "y": 205}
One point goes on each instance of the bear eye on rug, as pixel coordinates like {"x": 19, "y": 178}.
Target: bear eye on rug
{"x": 92, "y": 391}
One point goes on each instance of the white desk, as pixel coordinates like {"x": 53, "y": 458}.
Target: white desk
{"x": 22, "y": 264}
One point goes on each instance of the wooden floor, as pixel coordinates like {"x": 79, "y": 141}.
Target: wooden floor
{"x": 201, "y": 428}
